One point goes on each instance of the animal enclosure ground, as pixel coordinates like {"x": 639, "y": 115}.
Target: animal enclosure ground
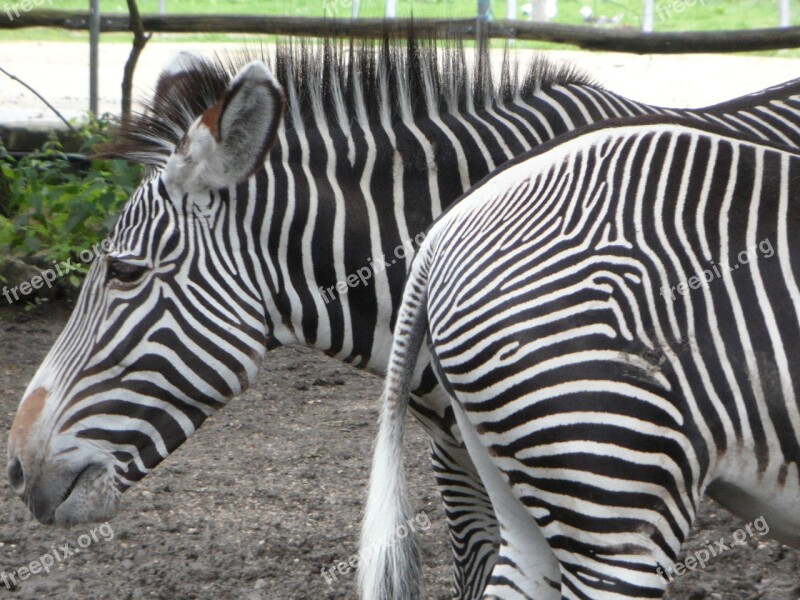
{"x": 269, "y": 493}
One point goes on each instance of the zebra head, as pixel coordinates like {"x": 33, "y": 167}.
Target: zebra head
{"x": 141, "y": 364}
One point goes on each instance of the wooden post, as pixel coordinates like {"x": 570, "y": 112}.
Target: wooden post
{"x": 140, "y": 39}
{"x": 647, "y": 16}
{"x": 785, "y": 13}
{"x": 94, "y": 54}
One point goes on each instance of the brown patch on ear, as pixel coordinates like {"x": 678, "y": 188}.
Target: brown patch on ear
{"x": 29, "y": 411}
{"x": 211, "y": 119}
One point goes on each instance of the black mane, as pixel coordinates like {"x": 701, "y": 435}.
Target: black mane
{"x": 336, "y": 80}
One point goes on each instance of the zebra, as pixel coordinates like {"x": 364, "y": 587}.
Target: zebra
{"x": 612, "y": 313}
{"x": 266, "y": 190}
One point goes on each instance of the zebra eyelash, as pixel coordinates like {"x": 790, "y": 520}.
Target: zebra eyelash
{"x": 124, "y": 272}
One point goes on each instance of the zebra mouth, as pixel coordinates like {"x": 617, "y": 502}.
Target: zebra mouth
{"x": 91, "y": 497}
{"x": 75, "y": 482}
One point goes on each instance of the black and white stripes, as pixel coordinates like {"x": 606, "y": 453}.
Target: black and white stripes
{"x": 375, "y": 142}
{"x": 602, "y": 406}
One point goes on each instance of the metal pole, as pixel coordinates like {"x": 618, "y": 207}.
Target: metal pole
{"x": 94, "y": 54}
{"x": 785, "y": 13}
{"x": 162, "y": 6}
{"x": 354, "y": 9}
{"x": 511, "y": 9}
{"x": 484, "y": 9}
{"x": 647, "y": 16}
{"x": 391, "y": 9}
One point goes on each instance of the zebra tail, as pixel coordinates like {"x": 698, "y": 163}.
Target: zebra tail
{"x": 390, "y": 563}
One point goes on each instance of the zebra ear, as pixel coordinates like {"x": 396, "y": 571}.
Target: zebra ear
{"x": 229, "y": 142}
{"x": 176, "y": 82}
{"x": 183, "y": 62}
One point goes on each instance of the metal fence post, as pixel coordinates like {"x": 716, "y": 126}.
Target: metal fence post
{"x": 94, "y": 55}
{"x": 484, "y": 10}
{"x": 785, "y": 13}
{"x": 511, "y": 9}
{"x": 647, "y": 16}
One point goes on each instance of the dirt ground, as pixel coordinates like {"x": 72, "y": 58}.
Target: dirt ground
{"x": 268, "y": 494}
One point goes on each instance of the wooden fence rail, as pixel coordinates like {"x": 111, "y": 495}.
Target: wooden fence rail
{"x": 591, "y": 38}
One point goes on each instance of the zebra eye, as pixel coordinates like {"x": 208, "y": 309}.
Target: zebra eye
{"x": 124, "y": 272}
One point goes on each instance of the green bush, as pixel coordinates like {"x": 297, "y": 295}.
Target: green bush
{"x": 50, "y": 209}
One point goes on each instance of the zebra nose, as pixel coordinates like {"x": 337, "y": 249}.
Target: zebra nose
{"x": 16, "y": 475}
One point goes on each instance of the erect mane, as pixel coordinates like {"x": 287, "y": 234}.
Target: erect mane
{"x": 339, "y": 80}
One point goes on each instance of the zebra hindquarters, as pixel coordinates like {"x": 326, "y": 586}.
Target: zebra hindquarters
{"x": 583, "y": 426}
{"x": 606, "y": 488}
{"x": 471, "y": 520}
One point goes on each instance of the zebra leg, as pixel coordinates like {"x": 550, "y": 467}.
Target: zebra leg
{"x": 526, "y": 568}
{"x": 471, "y": 521}
{"x": 593, "y": 547}
{"x": 620, "y": 564}
{"x": 614, "y": 497}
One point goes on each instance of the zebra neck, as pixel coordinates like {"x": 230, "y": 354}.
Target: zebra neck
{"x": 347, "y": 206}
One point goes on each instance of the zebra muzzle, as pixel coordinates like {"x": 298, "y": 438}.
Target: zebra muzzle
{"x": 62, "y": 480}
{"x": 67, "y": 495}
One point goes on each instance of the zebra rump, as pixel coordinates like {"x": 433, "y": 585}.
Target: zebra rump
{"x": 613, "y": 314}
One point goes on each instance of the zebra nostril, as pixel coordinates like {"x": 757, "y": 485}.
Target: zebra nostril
{"x": 16, "y": 475}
